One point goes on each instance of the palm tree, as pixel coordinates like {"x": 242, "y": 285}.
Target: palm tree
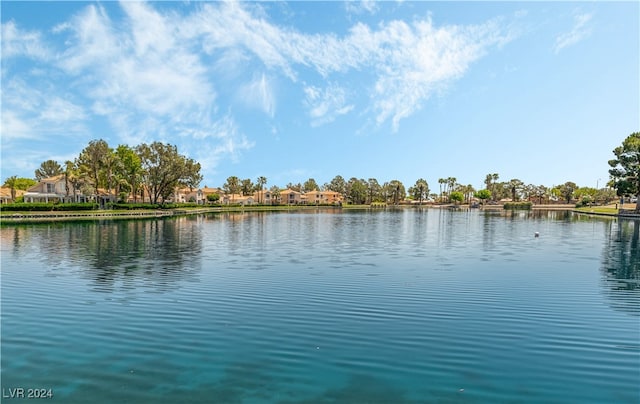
{"x": 495, "y": 177}
{"x": 260, "y": 182}
{"x": 11, "y": 182}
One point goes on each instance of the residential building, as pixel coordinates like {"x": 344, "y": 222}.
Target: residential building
{"x": 290, "y": 197}
{"x": 49, "y": 190}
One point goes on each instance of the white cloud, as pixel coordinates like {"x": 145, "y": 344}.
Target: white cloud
{"x": 29, "y": 113}
{"x": 363, "y": 6}
{"x": 158, "y": 75}
{"x": 17, "y": 42}
{"x": 580, "y": 31}
{"x": 410, "y": 61}
{"x": 258, "y": 93}
{"x": 325, "y": 104}
{"x": 138, "y": 73}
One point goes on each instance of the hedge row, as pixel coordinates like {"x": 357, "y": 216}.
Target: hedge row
{"x": 47, "y": 207}
{"x": 138, "y": 206}
{"x": 518, "y": 205}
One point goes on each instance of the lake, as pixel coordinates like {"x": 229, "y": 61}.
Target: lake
{"x": 324, "y": 306}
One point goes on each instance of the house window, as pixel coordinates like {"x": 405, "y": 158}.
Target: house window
{"x": 50, "y": 188}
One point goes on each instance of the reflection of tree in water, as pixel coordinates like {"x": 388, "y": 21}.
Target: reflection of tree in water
{"x": 156, "y": 252}
{"x": 621, "y": 265}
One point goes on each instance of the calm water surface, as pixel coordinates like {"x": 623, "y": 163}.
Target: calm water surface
{"x": 388, "y": 306}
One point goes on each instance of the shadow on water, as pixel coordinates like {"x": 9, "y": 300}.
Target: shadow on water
{"x": 621, "y": 265}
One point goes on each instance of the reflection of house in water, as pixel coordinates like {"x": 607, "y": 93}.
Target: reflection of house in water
{"x": 621, "y": 265}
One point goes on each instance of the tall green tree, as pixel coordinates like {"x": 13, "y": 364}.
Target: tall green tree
{"x": 129, "y": 170}
{"x": 246, "y": 186}
{"x": 625, "y": 168}
{"x": 192, "y": 176}
{"x": 567, "y": 189}
{"x": 163, "y": 169}
{"x": 373, "y": 190}
{"x": 91, "y": 162}
{"x": 275, "y": 194}
{"x": 310, "y": 185}
{"x": 71, "y": 179}
{"x": 11, "y": 183}
{"x": 357, "y": 191}
{"x": 49, "y": 168}
{"x": 420, "y": 190}
{"x": 232, "y": 185}
{"x": 260, "y": 183}
{"x": 396, "y": 191}
{"x": 338, "y": 184}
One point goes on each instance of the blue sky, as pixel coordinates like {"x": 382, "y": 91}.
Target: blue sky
{"x": 539, "y": 91}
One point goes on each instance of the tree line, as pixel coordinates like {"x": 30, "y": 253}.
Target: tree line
{"x": 154, "y": 170}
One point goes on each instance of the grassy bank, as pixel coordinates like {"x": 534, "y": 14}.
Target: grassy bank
{"x": 12, "y": 217}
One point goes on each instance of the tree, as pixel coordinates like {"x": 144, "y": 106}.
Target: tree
{"x": 49, "y": 168}
{"x": 232, "y": 186}
{"x": 260, "y": 182}
{"x": 192, "y": 177}
{"x": 357, "y": 191}
{"x": 467, "y": 191}
{"x": 483, "y": 195}
{"x": 451, "y": 183}
{"x": 441, "y": 182}
{"x": 275, "y": 194}
{"x": 295, "y": 187}
{"x": 373, "y": 190}
{"x": 515, "y": 187}
{"x": 164, "y": 169}
{"x": 11, "y": 183}
{"x": 20, "y": 183}
{"x": 420, "y": 190}
{"x": 567, "y": 189}
{"x": 396, "y": 191}
{"x": 338, "y": 184}
{"x": 246, "y": 186}
{"x": 625, "y": 168}
{"x": 130, "y": 169}
{"x": 456, "y": 197}
{"x": 213, "y": 198}
{"x": 310, "y": 185}
{"x": 91, "y": 162}
{"x": 540, "y": 191}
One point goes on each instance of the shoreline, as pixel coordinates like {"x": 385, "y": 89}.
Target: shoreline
{"x": 44, "y": 217}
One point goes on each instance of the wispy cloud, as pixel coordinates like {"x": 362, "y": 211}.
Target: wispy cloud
{"x": 410, "y": 61}
{"x": 158, "y": 74}
{"x": 363, "y": 6}
{"x": 18, "y": 42}
{"x": 325, "y": 104}
{"x": 258, "y": 93}
{"x": 580, "y": 31}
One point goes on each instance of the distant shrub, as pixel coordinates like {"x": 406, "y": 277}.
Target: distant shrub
{"x": 28, "y": 207}
{"x": 518, "y": 205}
{"x": 75, "y": 206}
{"x": 585, "y": 201}
{"x": 47, "y": 207}
{"x": 150, "y": 206}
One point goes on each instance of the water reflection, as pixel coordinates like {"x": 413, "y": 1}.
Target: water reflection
{"x": 621, "y": 265}
{"x": 114, "y": 255}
